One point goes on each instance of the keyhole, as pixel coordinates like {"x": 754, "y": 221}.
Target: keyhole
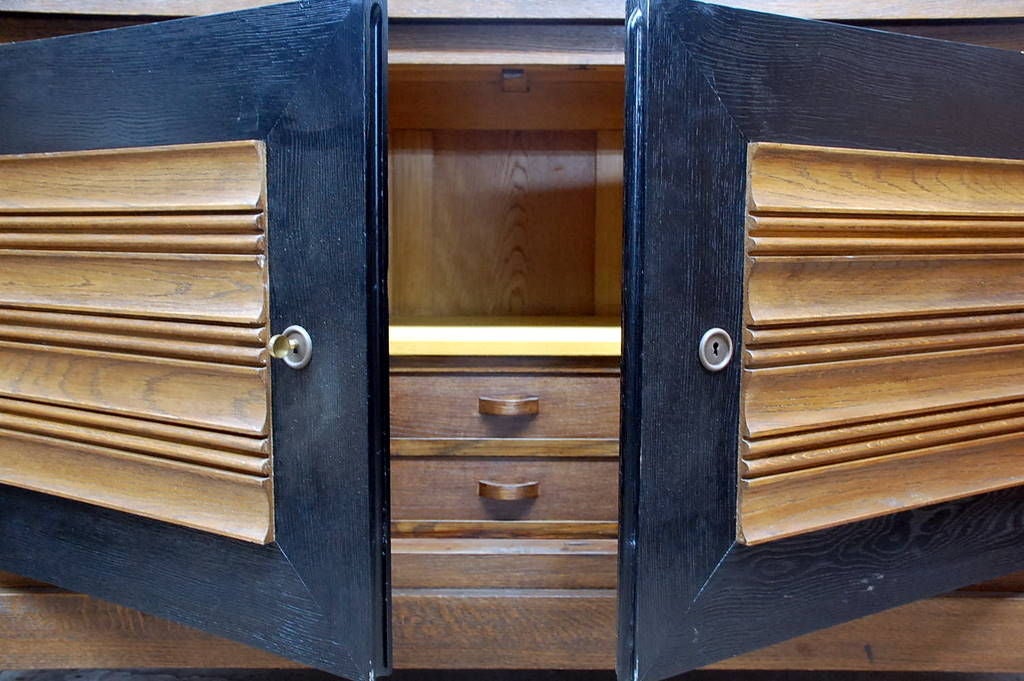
{"x": 715, "y": 349}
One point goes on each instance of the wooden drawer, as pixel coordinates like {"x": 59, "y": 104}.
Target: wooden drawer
{"x": 447, "y": 488}
{"x": 448, "y": 406}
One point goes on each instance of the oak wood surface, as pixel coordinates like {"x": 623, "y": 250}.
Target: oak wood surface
{"x": 503, "y": 563}
{"x": 447, "y": 406}
{"x": 499, "y": 223}
{"x": 220, "y": 176}
{"x": 447, "y": 489}
{"x": 608, "y": 223}
{"x": 607, "y": 447}
{"x": 511, "y": 628}
{"x": 164, "y": 419}
{"x": 599, "y": 10}
{"x": 907, "y": 302}
{"x": 509, "y": 405}
{"x": 1005, "y": 34}
{"x": 299, "y": 78}
{"x": 516, "y": 564}
{"x": 703, "y": 82}
{"x": 505, "y": 529}
{"x": 519, "y": 44}
{"x": 453, "y": 42}
{"x": 580, "y": 103}
{"x": 508, "y": 491}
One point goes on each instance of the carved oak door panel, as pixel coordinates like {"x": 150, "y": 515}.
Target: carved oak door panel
{"x": 846, "y": 207}
{"x": 179, "y": 204}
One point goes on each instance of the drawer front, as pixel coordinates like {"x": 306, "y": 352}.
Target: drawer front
{"x": 468, "y": 406}
{"x": 450, "y": 489}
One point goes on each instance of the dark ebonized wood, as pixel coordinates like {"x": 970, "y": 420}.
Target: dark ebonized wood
{"x": 307, "y": 78}
{"x": 703, "y": 82}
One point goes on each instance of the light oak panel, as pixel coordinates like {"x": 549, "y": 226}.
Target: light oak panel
{"x": 608, "y": 216}
{"x": 784, "y": 400}
{"x": 576, "y": 489}
{"x": 583, "y": 103}
{"x": 883, "y": 335}
{"x": 502, "y": 564}
{"x": 595, "y": 10}
{"x": 507, "y": 229}
{"x": 799, "y": 179}
{"x": 176, "y": 442}
{"x": 521, "y": 44}
{"x": 440, "y": 406}
{"x": 791, "y": 503}
{"x": 199, "y": 496}
{"x": 218, "y": 288}
{"x": 511, "y": 628}
{"x": 133, "y": 326}
{"x": 507, "y": 447}
{"x": 221, "y": 176}
{"x": 505, "y": 529}
{"x": 202, "y": 394}
{"x": 888, "y": 286}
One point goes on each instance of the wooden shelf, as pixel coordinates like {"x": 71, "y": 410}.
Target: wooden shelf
{"x": 523, "y": 336}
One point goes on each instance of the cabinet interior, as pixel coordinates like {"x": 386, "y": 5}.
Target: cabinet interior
{"x": 505, "y": 209}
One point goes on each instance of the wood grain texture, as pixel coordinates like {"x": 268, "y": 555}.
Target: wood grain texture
{"x": 607, "y": 447}
{"x": 703, "y": 82}
{"x": 909, "y": 301}
{"x": 509, "y": 229}
{"x": 802, "y": 179}
{"x": 448, "y": 406}
{"x": 17, "y": 26}
{"x": 1005, "y": 34}
{"x": 520, "y": 44}
{"x": 508, "y": 405}
{"x": 454, "y": 42}
{"x": 446, "y": 489}
{"x": 221, "y": 176}
{"x": 502, "y": 564}
{"x": 505, "y": 529}
{"x": 579, "y": 104}
{"x": 494, "y": 490}
{"x": 306, "y": 79}
{"x": 509, "y": 628}
{"x": 596, "y": 10}
{"x": 608, "y": 224}
{"x": 165, "y": 419}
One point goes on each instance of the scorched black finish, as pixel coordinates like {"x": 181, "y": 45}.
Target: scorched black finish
{"x": 702, "y": 82}
{"x": 308, "y": 79}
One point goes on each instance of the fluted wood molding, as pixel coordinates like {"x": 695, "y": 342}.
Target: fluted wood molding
{"x": 883, "y": 338}
{"x": 133, "y": 330}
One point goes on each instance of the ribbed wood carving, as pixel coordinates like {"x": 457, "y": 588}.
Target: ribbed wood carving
{"x": 883, "y": 360}
{"x": 133, "y": 325}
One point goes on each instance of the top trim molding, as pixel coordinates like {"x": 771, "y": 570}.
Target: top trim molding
{"x": 552, "y": 10}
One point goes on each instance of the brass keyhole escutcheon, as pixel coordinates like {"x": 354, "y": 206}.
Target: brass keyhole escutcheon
{"x": 293, "y": 346}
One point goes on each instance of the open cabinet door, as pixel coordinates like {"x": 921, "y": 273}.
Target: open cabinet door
{"x": 847, "y": 206}
{"x": 171, "y": 196}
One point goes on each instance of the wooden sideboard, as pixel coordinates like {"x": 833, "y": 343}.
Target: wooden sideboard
{"x": 506, "y": 135}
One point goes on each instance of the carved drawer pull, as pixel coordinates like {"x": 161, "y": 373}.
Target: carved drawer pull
{"x": 515, "y": 405}
{"x": 508, "y": 491}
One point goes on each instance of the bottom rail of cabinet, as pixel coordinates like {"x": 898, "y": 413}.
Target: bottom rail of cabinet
{"x": 45, "y": 628}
